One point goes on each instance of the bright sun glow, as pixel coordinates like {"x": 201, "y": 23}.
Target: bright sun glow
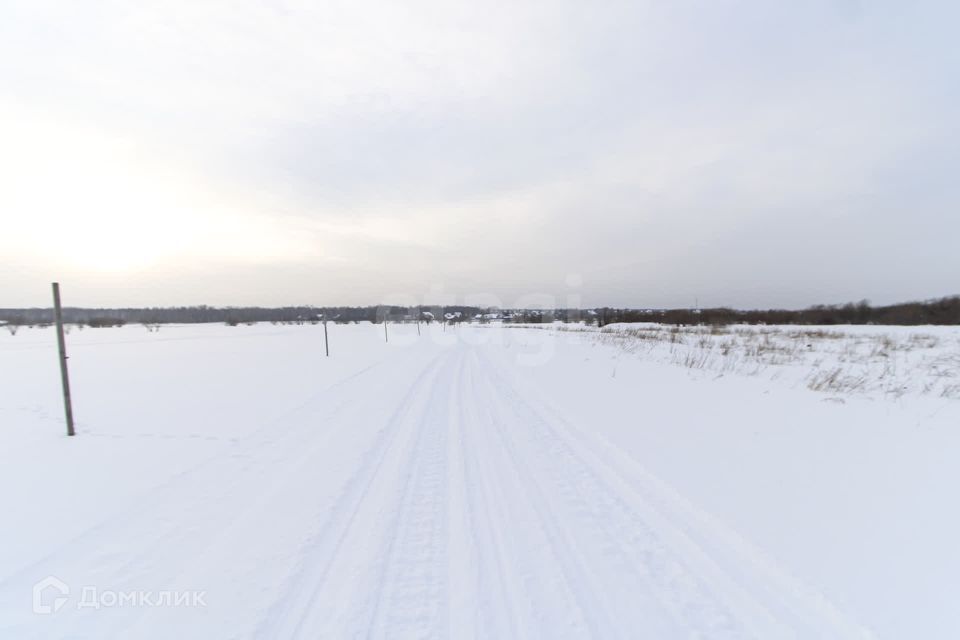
{"x": 73, "y": 197}
{"x": 83, "y": 201}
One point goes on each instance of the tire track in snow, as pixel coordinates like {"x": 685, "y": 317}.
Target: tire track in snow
{"x": 295, "y": 473}
{"x": 293, "y": 612}
{"x": 258, "y": 472}
{"x": 619, "y": 558}
{"x": 411, "y": 587}
{"x": 587, "y": 591}
{"x": 767, "y": 601}
{"x": 500, "y": 597}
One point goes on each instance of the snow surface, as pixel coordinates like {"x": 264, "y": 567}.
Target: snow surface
{"x": 485, "y": 481}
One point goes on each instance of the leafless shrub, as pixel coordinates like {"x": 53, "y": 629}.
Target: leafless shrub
{"x": 727, "y": 346}
{"x": 951, "y": 391}
{"x": 945, "y": 366}
{"x": 694, "y": 360}
{"x": 923, "y": 341}
{"x": 835, "y": 380}
{"x": 102, "y": 322}
{"x": 814, "y": 334}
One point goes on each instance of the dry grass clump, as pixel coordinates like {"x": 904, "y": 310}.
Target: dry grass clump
{"x": 836, "y": 380}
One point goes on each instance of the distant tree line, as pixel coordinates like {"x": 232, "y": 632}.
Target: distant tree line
{"x": 944, "y": 311}
{"x": 230, "y": 315}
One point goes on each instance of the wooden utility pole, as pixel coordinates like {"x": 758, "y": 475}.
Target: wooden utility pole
{"x": 386, "y": 338}
{"x": 62, "y": 345}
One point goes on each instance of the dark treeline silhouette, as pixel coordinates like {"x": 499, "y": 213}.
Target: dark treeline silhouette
{"x": 103, "y": 317}
{"x": 940, "y": 311}
{"x": 944, "y": 311}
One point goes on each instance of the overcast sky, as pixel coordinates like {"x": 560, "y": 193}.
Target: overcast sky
{"x": 750, "y": 153}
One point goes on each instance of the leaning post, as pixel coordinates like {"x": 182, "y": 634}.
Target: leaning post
{"x": 62, "y": 346}
{"x": 326, "y": 340}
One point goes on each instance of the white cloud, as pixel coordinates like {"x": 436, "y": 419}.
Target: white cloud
{"x": 369, "y": 148}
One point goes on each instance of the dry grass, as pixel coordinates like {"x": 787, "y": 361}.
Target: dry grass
{"x": 824, "y": 360}
{"x": 828, "y": 360}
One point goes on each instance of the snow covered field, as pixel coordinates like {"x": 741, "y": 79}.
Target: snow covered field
{"x": 231, "y": 482}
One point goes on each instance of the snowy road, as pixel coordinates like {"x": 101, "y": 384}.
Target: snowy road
{"x": 430, "y": 495}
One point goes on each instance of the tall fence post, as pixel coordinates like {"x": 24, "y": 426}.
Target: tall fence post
{"x": 62, "y": 345}
{"x": 386, "y": 338}
{"x": 326, "y": 340}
